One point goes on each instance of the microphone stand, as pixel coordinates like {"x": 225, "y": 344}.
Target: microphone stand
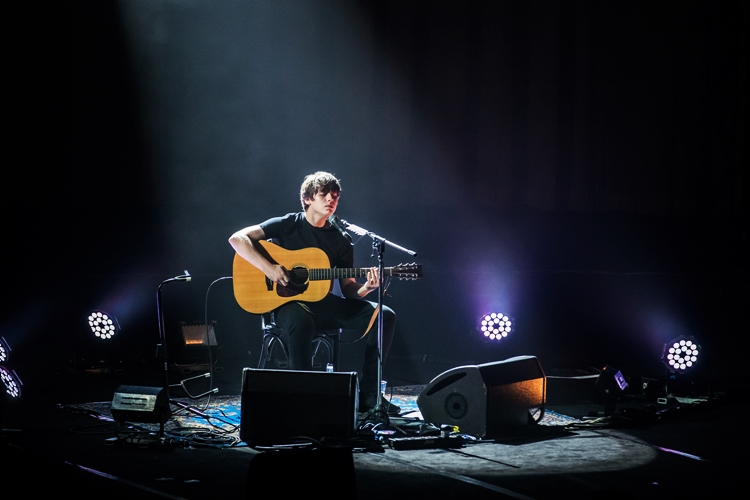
{"x": 163, "y": 340}
{"x": 378, "y": 246}
{"x": 165, "y": 358}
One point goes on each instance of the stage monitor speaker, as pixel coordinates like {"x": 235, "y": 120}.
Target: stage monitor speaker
{"x": 483, "y": 400}
{"x": 132, "y": 403}
{"x": 280, "y": 405}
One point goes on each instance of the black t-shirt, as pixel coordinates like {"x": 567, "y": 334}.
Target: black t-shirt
{"x": 293, "y": 232}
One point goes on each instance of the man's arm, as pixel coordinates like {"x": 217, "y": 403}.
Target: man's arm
{"x": 243, "y": 243}
{"x": 353, "y": 290}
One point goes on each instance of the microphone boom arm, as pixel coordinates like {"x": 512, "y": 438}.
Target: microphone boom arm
{"x": 364, "y": 232}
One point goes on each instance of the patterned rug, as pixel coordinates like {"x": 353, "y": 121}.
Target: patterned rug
{"x": 219, "y": 416}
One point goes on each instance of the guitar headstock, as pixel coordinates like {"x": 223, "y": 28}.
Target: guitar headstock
{"x": 407, "y": 271}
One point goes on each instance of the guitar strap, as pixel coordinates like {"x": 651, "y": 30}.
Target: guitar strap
{"x": 372, "y": 320}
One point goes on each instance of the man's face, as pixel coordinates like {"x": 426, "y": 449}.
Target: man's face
{"x": 323, "y": 203}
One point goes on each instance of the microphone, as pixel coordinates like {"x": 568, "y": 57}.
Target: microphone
{"x": 335, "y": 222}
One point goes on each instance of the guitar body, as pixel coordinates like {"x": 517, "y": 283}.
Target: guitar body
{"x": 256, "y": 294}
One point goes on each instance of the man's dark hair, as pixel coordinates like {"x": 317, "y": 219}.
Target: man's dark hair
{"x": 318, "y": 182}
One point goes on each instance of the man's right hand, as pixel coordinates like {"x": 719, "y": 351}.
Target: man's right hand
{"x": 279, "y": 275}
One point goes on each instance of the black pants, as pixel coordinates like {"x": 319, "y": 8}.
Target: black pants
{"x": 301, "y": 320}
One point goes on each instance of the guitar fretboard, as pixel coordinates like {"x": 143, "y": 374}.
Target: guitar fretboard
{"x": 338, "y": 273}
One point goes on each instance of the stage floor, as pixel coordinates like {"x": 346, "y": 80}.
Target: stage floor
{"x": 688, "y": 451}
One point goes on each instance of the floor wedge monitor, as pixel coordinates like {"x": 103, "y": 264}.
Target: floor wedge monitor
{"x": 483, "y": 400}
{"x": 132, "y": 403}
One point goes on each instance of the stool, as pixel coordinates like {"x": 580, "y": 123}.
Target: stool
{"x": 324, "y": 345}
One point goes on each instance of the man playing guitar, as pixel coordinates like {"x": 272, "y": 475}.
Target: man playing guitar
{"x": 310, "y": 229}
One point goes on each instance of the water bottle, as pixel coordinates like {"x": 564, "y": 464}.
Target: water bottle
{"x": 329, "y": 368}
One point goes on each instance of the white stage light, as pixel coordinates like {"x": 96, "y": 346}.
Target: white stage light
{"x": 11, "y": 381}
{"x": 4, "y": 350}
{"x": 681, "y": 354}
{"x": 495, "y": 326}
{"x": 103, "y": 325}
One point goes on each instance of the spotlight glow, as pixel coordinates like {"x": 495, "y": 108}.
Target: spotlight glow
{"x": 680, "y": 354}
{"x": 103, "y": 325}
{"x": 495, "y": 326}
{"x": 11, "y": 381}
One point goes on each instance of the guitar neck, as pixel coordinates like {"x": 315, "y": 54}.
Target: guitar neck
{"x": 342, "y": 272}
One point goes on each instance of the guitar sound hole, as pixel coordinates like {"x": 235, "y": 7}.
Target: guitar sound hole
{"x": 298, "y": 276}
{"x": 298, "y": 284}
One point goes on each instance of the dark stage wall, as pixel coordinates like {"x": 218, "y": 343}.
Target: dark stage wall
{"x": 581, "y": 165}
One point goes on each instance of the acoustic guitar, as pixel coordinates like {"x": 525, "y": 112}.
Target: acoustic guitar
{"x": 310, "y": 273}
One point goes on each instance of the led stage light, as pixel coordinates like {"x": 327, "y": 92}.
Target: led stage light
{"x": 681, "y": 354}
{"x": 103, "y": 325}
{"x": 495, "y": 326}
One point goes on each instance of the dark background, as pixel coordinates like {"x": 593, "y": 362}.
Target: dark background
{"x": 579, "y": 165}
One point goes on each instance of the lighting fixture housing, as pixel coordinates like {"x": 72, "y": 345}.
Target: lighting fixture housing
{"x": 103, "y": 325}
{"x": 495, "y": 326}
{"x": 681, "y": 354}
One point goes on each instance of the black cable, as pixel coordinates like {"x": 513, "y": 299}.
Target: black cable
{"x": 211, "y": 389}
{"x": 208, "y": 340}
